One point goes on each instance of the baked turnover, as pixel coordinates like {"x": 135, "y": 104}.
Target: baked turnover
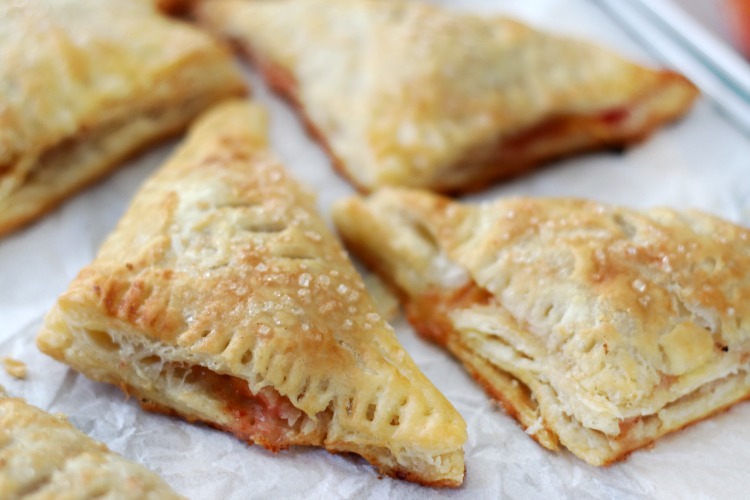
{"x": 598, "y": 328}
{"x": 223, "y": 297}
{"x": 85, "y": 84}
{"x": 408, "y": 94}
{"x": 44, "y": 457}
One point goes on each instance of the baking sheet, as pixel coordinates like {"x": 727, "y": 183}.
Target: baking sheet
{"x": 702, "y": 162}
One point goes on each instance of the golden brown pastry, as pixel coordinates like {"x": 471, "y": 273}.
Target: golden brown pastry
{"x": 408, "y": 94}
{"x": 44, "y": 457}
{"x": 86, "y": 83}
{"x": 223, "y": 297}
{"x": 174, "y": 6}
{"x": 598, "y": 328}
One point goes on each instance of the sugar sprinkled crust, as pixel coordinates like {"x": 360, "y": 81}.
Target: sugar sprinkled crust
{"x": 44, "y": 457}
{"x": 409, "y": 94}
{"x": 223, "y": 297}
{"x": 599, "y": 328}
{"x": 86, "y": 83}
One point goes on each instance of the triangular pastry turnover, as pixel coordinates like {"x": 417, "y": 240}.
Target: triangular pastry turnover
{"x": 44, "y": 457}
{"x": 223, "y": 297}
{"x": 86, "y": 83}
{"x": 597, "y": 327}
{"x": 409, "y": 94}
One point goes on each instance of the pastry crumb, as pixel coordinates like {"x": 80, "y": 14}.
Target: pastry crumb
{"x": 15, "y": 368}
{"x": 537, "y": 426}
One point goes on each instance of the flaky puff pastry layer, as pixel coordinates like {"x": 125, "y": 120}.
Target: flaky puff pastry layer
{"x": 44, "y": 457}
{"x": 86, "y": 83}
{"x": 223, "y": 297}
{"x": 599, "y": 328}
{"x": 408, "y": 94}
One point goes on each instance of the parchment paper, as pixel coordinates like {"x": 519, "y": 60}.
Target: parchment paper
{"x": 702, "y": 162}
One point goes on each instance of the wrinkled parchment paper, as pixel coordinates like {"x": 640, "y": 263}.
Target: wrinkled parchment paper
{"x": 702, "y": 162}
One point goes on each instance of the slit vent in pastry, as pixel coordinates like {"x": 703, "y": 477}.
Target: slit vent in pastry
{"x": 409, "y": 94}
{"x": 598, "y": 328}
{"x": 86, "y": 84}
{"x": 223, "y": 297}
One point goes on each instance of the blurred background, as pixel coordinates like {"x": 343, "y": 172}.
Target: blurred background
{"x": 726, "y": 19}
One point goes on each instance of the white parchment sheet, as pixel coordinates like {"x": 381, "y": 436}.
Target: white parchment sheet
{"x": 702, "y": 162}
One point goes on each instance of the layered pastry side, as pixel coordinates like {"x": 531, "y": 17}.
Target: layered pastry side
{"x": 416, "y": 95}
{"x": 598, "y": 328}
{"x": 222, "y": 297}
